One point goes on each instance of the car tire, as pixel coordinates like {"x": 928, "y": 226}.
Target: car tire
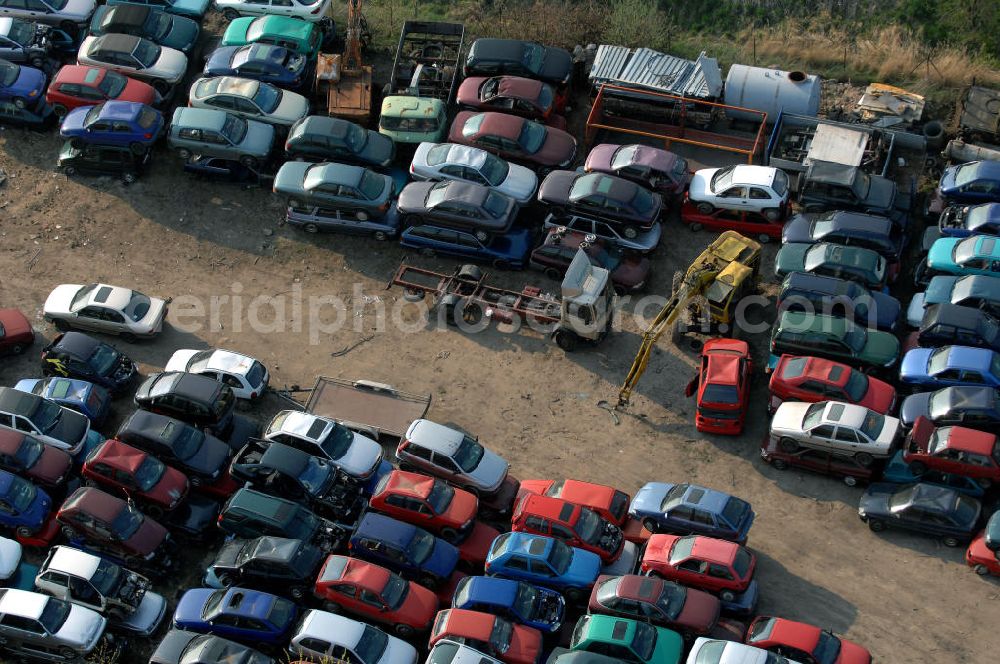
{"x": 69, "y": 171}
{"x": 61, "y": 325}
{"x": 650, "y": 525}
{"x": 771, "y": 214}
{"x": 553, "y": 274}
{"x": 154, "y": 512}
{"x": 403, "y": 631}
{"x": 310, "y": 228}
{"x": 59, "y": 110}
{"x": 573, "y": 595}
{"x": 566, "y": 340}
{"x": 137, "y": 148}
{"x": 951, "y": 542}
{"x": 850, "y": 480}
{"x": 875, "y": 525}
{"x": 705, "y": 208}
{"x": 76, "y": 143}
{"x": 230, "y": 14}
{"x": 788, "y": 445}
{"x": 184, "y": 154}
{"x": 981, "y": 570}
{"x": 67, "y": 532}
{"x": 68, "y": 653}
{"x": 501, "y": 264}
{"x": 413, "y": 295}
{"x": 917, "y": 468}
{"x": 470, "y": 272}
{"x": 21, "y": 102}
{"x": 127, "y": 337}
{"x": 161, "y": 86}
{"x": 381, "y": 236}
{"x": 472, "y": 313}
{"x": 727, "y": 595}
{"x": 17, "y": 349}
{"x": 195, "y": 480}
{"x": 779, "y": 464}
{"x": 225, "y": 579}
{"x": 695, "y": 227}
{"x": 129, "y": 178}
{"x": 249, "y": 162}
{"x": 864, "y": 459}
{"x": 630, "y": 232}
{"x": 430, "y": 582}
{"x": 332, "y": 607}
{"x": 297, "y": 592}
{"x": 449, "y": 535}
{"x": 38, "y": 63}
{"x": 24, "y": 531}
{"x": 764, "y": 238}
{"x": 482, "y": 236}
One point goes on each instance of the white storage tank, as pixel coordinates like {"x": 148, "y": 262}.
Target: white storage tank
{"x": 771, "y": 91}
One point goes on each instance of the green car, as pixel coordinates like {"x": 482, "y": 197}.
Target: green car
{"x": 863, "y": 266}
{"x": 627, "y": 640}
{"x": 806, "y": 333}
{"x": 413, "y": 119}
{"x": 294, "y": 34}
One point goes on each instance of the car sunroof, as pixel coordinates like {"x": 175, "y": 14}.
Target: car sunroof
{"x": 103, "y": 294}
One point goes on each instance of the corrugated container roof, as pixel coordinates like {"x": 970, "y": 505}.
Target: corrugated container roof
{"x": 647, "y": 69}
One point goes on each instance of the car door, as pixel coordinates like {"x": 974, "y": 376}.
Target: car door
{"x": 822, "y": 436}
{"x": 54, "y": 583}
{"x": 11, "y": 50}
{"x": 254, "y": 7}
{"x": 846, "y": 438}
{"x": 735, "y": 198}
{"x": 90, "y": 318}
{"x": 282, "y": 8}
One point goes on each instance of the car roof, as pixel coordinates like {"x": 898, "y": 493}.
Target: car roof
{"x": 967, "y": 357}
{"x": 130, "y": 14}
{"x": 845, "y": 414}
{"x": 95, "y": 502}
{"x": 450, "y": 652}
{"x": 270, "y": 508}
{"x": 410, "y": 484}
{"x": 802, "y": 321}
{"x": 330, "y": 627}
{"x": 823, "y": 370}
{"x": 838, "y": 254}
{"x": 16, "y": 401}
{"x": 357, "y": 572}
{"x": 724, "y": 359}
{"x": 526, "y": 544}
{"x": 194, "y": 386}
{"x": 759, "y": 175}
{"x": 831, "y": 172}
{"x": 585, "y": 493}
{"x": 500, "y": 124}
{"x": 284, "y": 459}
{"x": 465, "y": 155}
{"x": 492, "y": 589}
{"x": 285, "y": 26}
{"x": 609, "y": 628}
{"x": 153, "y": 425}
{"x": 985, "y": 169}
{"x": 245, "y": 602}
{"x": 866, "y": 224}
{"x": 302, "y": 425}
{"x": 199, "y": 118}
{"x": 234, "y": 85}
{"x": 434, "y": 436}
{"x": 970, "y": 440}
{"x": 639, "y": 587}
{"x": 275, "y": 549}
{"x": 465, "y": 623}
{"x": 325, "y": 126}
{"x": 24, "y": 603}
{"x": 705, "y": 498}
{"x": 556, "y": 509}
{"x": 953, "y": 315}
{"x": 80, "y": 74}
{"x": 612, "y": 186}
{"x": 968, "y": 397}
{"x": 73, "y": 561}
{"x": 76, "y": 343}
{"x": 114, "y": 42}
{"x": 465, "y": 192}
{"x": 933, "y": 498}
{"x": 520, "y": 87}
{"x": 819, "y": 284}
{"x": 118, "y": 455}
{"x": 332, "y": 173}
{"x": 492, "y": 48}
{"x": 979, "y": 248}
{"x": 714, "y": 550}
{"x": 10, "y": 440}
{"x": 801, "y": 636}
{"x": 385, "y": 529}
{"x": 974, "y": 285}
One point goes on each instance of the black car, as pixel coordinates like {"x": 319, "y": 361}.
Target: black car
{"x": 195, "y": 517}
{"x": 275, "y": 564}
{"x": 827, "y": 185}
{"x": 193, "y": 398}
{"x": 489, "y": 57}
{"x": 93, "y": 159}
{"x": 249, "y": 513}
{"x": 839, "y": 297}
{"x": 202, "y": 457}
{"x": 33, "y": 44}
{"x": 923, "y": 508}
{"x": 977, "y": 407}
{"x": 152, "y": 23}
{"x": 950, "y": 324}
{"x": 460, "y": 205}
{"x": 319, "y": 138}
{"x": 852, "y": 229}
{"x": 180, "y": 646}
{"x": 280, "y": 470}
{"x": 603, "y": 196}
{"x": 77, "y": 355}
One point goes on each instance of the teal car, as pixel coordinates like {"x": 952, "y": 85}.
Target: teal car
{"x": 979, "y": 254}
{"x": 301, "y": 37}
{"x": 807, "y": 333}
{"x": 627, "y": 640}
{"x": 191, "y": 8}
{"x": 362, "y": 193}
{"x": 413, "y": 119}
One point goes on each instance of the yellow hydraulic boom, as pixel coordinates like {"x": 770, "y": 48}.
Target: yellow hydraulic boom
{"x": 731, "y": 258}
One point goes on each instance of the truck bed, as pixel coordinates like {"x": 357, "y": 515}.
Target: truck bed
{"x": 428, "y": 58}
{"x": 375, "y": 408}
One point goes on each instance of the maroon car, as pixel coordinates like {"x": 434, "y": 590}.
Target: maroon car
{"x": 123, "y": 469}
{"x": 664, "y": 603}
{"x": 15, "y": 332}
{"x": 659, "y": 170}
{"x": 29, "y": 457}
{"x": 628, "y": 272}
{"x": 517, "y": 139}
{"x": 524, "y": 97}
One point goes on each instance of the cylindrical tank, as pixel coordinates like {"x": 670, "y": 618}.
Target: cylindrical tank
{"x": 771, "y": 91}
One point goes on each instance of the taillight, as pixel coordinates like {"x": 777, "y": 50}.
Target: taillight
{"x": 318, "y": 9}
{"x": 147, "y": 135}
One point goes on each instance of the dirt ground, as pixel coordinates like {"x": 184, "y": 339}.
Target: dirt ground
{"x": 907, "y": 598}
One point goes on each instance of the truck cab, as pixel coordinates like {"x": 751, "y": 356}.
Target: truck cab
{"x": 588, "y": 298}
{"x": 413, "y": 120}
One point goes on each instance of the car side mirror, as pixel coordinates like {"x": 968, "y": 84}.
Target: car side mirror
{"x": 692, "y": 387}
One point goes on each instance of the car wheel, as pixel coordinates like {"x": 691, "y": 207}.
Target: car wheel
{"x": 630, "y": 232}
{"x": 951, "y": 542}
{"x": 137, "y": 148}
{"x": 332, "y": 607}
{"x": 779, "y": 464}
{"x": 195, "y": 480}
{"x": 982, "y": 481}
{"x": 76, "y": 143}
{"x": 482, "y": 236}
{"x": 449, "y": 535}
{"x": 918, "y": 468}
{"x": 59, "y": 110}
{"x": 20, "y": 102}
{"x": 129, "y": 178}
{"x": 981, "y": 570}
{"x": 310, "y": 228}
{"x": 380, "y": 236}
{"x": 864, "y": 459}
{"x": 161, "y": 86}
{"x": 68, "y": 532}
{"x": 154, "y": 512}
{"x": 850, "y": 480}
{"x": 875, "y": 525}
{"x": 788, "y": 445}
{"x": 501, "y": 264}
{"x": 116, "y": 615}
{"x": 61, "y": 325}
{"x": 573, "y": 595}
{"x": 230, "y": 14}
{"x": 225, "y": 579}
{"x": 69, "y": 171}
{"x": 428, "y": 581}
{"x": 184, "y": 154}
{"x": 17, "y": 349}
{"x": 553, "y": 274}
{"x": 772, "y": 214}
{"x": 566, "y": 340}
{"x": 764, "y": 238}
{"x": 297, "y": 592}
{"x": 127, "y": 337}
{"x": 38, "y": 63}
{"x": 403, "y": 631}
{"x": 706, "y": 208}
{"x": 470, "y": 272}
{"x": 695, "y": 227}
{"x": 24, "y": 531}
{"x": 413, "y": 295}
{"x": 650, "y": 525}
{"x": 249, "y": 162}
{"x": 727, "y": 595}
{"x": 361, "y": 215}
{"x": 428, "y": 252}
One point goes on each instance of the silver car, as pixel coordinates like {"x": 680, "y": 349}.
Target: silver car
{"x": 105, "y": 308}
{"x": 452, "y": 455}
{"x": 140, "y": 58}
{"x": 837, "y": 427}
{"x": 321, "y": 635}
{"x": 451, "y": 161}
{"x": 250, "y": 99}
{"x": 67, "y": 14}
{"x": 210, "y": 133}
{"x": 43, "y": 419}
{"x": 644, "y": 242}
{"x": 36, "y": 624}
{"x": 357, "y": 456}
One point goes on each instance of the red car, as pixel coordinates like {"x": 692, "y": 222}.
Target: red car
{"x": 31, "y": 458}
{"x": 664, "y": 603}
{"x": 608, "y": 502}
{"x": 121, "y": 468}
{"x": 804, "y": 643}
{"x": 524, "y": 97}
{"x": 508, "y": 136}
{"x": 375, "y": 593}
{"x": 752, "y": 224}
{"x": 983, "y": 554}
{"x": 718, "y": 566}
{"x": 15, "y": 332}
{"x": 823, "y": 462}
{"x": 499, "y": 638}
{"x": 955, "y": 450}
{"x": 812, "y": 379}
{"x": 83, "y": 85}
{"x": 438, "y": 507}
{"x": 723, "y": 385}
{"x": 554, "y": 255}
{"x": 579, "y": 527}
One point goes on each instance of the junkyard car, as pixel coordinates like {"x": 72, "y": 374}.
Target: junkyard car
{"x": 81, "y": 85}
{"x": 357, "y": 456}
{"x": 509, "y": 642}
{"x": 812, "y": 379}
{"x": 45, "y": 420}
{"x": 933, "y": 368}
{"x": 546, "y": 562}
{"x": 601, "y": 196}
{"x": 838, "y": 427}
{"x": 214, "y": 133}
{"x": 488, "y": 57}
{"x": 978, "y": 254}
{"x": 966, "y": 220}
{"x": 525, "y": 97}
{"x": 863, "y": 266}
{"x": 29, "y": 457}
{"x": 103, "y": 308}
{"x": 922, "y": 508}
{"x": 983, "y": 554}
{"x": 460, "y": 205}
{"x": 540, "y": 147}
{"x": 977, "y": 407}
{"x": 827, "y": 185}
{"x": 691, "y": 508}
{"x": 451, "y": 161}
{"x": 723, "y": 386}
{"x": 897, "y": 471}
{"x": 951, "y": 324}
{"x": 579, "y": 527}
{"x": 34, "y": 624}
{"x": 200, "y": 400}
{"x": 658, "y": 601}
{"x": 718, "y": 651}
{"x": 971, "y": 182}
{"x": 162, "y": 67}
{"x": 628, "y": 272}
{"x": 16, "y": 333}
{"x": 237, "y": 613}
{"x": 801, "y": 291}
{"x": 194, "y": 9}
{"x": 250, "y": 99}
{"x": 354, "y": 190}
{"x": 122, "y": 123}
{"x": 644, "y": 243}
{"x": 654, "y": 168}
{"x": 294, "y": 34}
{"x": 246, "y": 376}
{"x": 77, "y": 355}
{"x": 314, "y": 11}
{"x": 149, "y": 22}
{"x": 260, "y": 62}
{"x": 413, "y": 551}
{"x": 517, "y": 601}
{"x": 183, "y": 647}
{"x": 801, "y": 333}
{"x": 94, "y": 159}
{"x": 67, "y": 15}
{"x": 954, "y": 449}
{"x": 324, "y": 635}
{"x": 754, "y": 188}
{"x": 82, "y": 396}
{"x": 804, "y": 643}
{"x": 851, "y": 229}
{"x": 976, "y": 291}
{"x": 250, "y": 513}
{"x": 318, "y": 137}
{"x": 504, "y": 252}
{"x": 22, "y": 86}
{"x": 631, "y": 640}
{"x": 122, "y": 469}
{"x": 33, "y": 43}
{"x": 24, "y": 508}
{"x": 277, "y": 564}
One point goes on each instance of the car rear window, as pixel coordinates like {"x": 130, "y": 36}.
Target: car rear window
{"x": 741, "y": 564}
{"x": 720, "y": 394}
{"x": 734, "y": 511}
{"x": 147, "y": 118}
{"x": 256, "y": 374}
{"x": 794, "y": 368}
{"x": 619, "y": 505}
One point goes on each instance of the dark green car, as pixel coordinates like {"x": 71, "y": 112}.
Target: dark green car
{"x": 148, "y": 22}
{"x": 627, "y": 640}
{"x": 857, "y": 264}
{"x": 805, "y": 333}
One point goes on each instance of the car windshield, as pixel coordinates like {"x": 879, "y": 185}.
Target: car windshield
{"x": 901, "y": 499}
{"x": 560, "y": 556}
{"x": 589, "y": 526}
{"x": 965, "y": 250}
{"x": 234, "y": 129}
{"x": 966, "y": 509}
{"x": 8, "y": 73}
{"x": 21, "y": 494}
{"x": 856, "y": 337}
{"x": 303, "y": 526}
{"x": 939, "y": 403}
{"x": 524, "y": 601}
{"x": 138, "y": 306}
{"x": 112, "y": 84}
{"x": 28, "y": 452}
{"x": 644, "y": 641}
{"x": 188, "y": 441}
{"x": 105, "y": 577}
{"x": 722, "y": 178}
{"x": 267, "y": 97}
{"x": 127, "y": 522}
{"x": 438, "y": 154}
{"x": 735, "y": 510}
{"x": 395, "y": 591}
{"x": 103, "y": 359}
{"x": 872, "y": 425}
{"x": 371, "y": 185}
{"x": 420, "y": 546}
{"x": 741, "y": 562}
{"x": 823, "y": 225}
{"x": 673, "y": 496}
{"x": 672, "y": 599}
{"x": 715, "y": 393}
{"x": 146, "y": 52}
{"x": 532, "y": 137}
{"x": 255, "y": 375}
{"x": 315, "y": 475}
{"x": 494, "y": 169}
{"x": 46, "y": 415}
{"x": 83, "y": 295}
{"x": 469, "y": 454}
{"x": 54, "y": 615}
{"x": 827, "y": 650}
{"x": 814, "y": 415}
{"x": 501, "y": 635}
{"x": 149, "y": 472}
{"x": 533, "y": 56}
{"x": 495, "y": 204}
{"x": 147, "y": 118}
{"x": 356, "y": 137}
{"x": 643, "y": 202}
{"x": 938, "y": 361}
{"x": 780, "y": 183}
{"x": 21, "y": 32}
{"x": 338, "y": 441}
{"x": 623, "y": 157}
{"x": 440, "y": 496}
{"x": 856, "y": 386}
{"x": 938, "y": 440}
{"x": 965, "y": 174}
{"x": 161, "y": 25}
{"x": 371, "y": 645}
{"x": 546, "y": 97}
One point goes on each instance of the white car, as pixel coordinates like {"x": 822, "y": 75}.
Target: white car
{"x": 246, "y": 376}
{"x": 66, "y": 14}
{"x": 453, "y": 455}
{"x": 11, "y": 572}
{"x": 450, "y": 652}
{"x": 451, "y": 161}
{"x": 761, "y": 189}
{"x": 249, "y": 99}
{"x": 43, "y": 419}
{"x": 104, "y": 308}
{"x": 313, "y": 11}
{"x": 837, "y": 427}
{"x": 356, "y": 455}
{"x": 322, "y": 635}
{"x": 714, "y": 651}
{"x": 140, "y": 58}
{"x": 32, "y": 622}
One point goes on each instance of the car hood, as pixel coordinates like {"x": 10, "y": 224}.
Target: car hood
{"x": 940, "y": 255}
{"x": 196, "y": 515}
{"x": 148, "y": 538}
{"x": 398, "y": 651}
{"x": 557, "y": 65}
{"x": 15, "y": 325}
{"x": 188, "y": 610}
{"x": 886, "y": 307}
{"x": 789, "y": 416}
{"x": 172, "y": 64}
{"x": 875, "y": 500}
{"x": 881, "y": 194}
{"x": 600, "y": 157}
{"x": 73, "y": 122}
{"x": 520, "y": 183}
{"x": 173, "y": 644}
{"x": 211, "y": 457}
{"x": 915, "y": 310}
{"x": 179, "y": 360}
{"x": 852, "y": 653}
{"x": 947, "y": 182}
{"x": 890, "y": 433}
{"x": 584, "y": 568}
{"x": 559, "y": 149}
{"x": 147, "y": 616}
{"x": 171, "y": 488}
{"x": 413, "y": 195}
{"x": 443, "y": 559}
{"x": 700, "y": 611}
{"x": 291, "y": 177}
{"x": 882, "y": 348}
{"x": 791, "y": 258}
{"x": 362, "y": 457}
{"x": 291, "y": 108}
{"x": 183, "y": 33}
{"x": 10, "y": 558}
{"x": 649, "y": 498}
{"x": 463, "y": 507}
{"x": 72, "y": 428}
{"x": 701, "y": 183}
{"x": 525, "y": 645}
{"x": 138, "y": 91}
{"x": 379, "y": 150}
{"x": 491, "y": 471}
{"x": 797, "y": 229}
{"x": 52, "y": 465}
{"x": 914, "y": 364}
{"x": 83, "y": 627}
{"x": 219, "y": 61}
{"x": 914, "y": 406}
{"x": 556, "y": 186}
{"x": 59, "y": 300}
{"x": 420, "y": 606}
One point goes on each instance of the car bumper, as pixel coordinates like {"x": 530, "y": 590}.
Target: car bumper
{"x": 744, "y": 604}
{"x": 147, "y": 617}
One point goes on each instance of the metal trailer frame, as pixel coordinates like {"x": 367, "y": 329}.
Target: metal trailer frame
{"x": 599, "y": 120}
{"x": 449, "y": 37}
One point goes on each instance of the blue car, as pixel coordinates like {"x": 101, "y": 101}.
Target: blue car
{"x": 236, "y": 613}
{"x": 191, "y": 8}
{"x": 505, "y": 251}
{"x": 24, "y": 508}
{"x": 91, "y": 400}
{"x": 20, "y": 85}
{"x": 413, "y": 551}
{"x": 516, "y": 601}
{"x": 123, "y": 123}
{"x": 898, "y": 471}
{"x": 931, "y": 368}
{"x": 966, "y": 220}
{"x": 689, "y": 508}
{"x": 261, "y": 62}
{"x": 546, "y": 562}
{"x": 973, "y": 182}
{"x": 977, "y": 254}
